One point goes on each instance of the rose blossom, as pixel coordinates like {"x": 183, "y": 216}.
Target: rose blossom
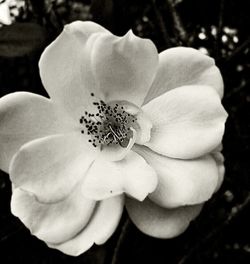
{"x": 121, "y": 119}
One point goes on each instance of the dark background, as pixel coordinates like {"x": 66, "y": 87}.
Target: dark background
{"x": 221, "y": 28}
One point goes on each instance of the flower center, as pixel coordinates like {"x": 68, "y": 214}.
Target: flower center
{"x": 109, "y": 125}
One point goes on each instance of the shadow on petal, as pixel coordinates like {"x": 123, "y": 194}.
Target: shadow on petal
{"x": 160, "y": 222}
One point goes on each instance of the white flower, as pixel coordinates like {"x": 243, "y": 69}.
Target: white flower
{"x": 121, "y": 119}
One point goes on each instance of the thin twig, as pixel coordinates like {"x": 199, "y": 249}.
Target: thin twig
{"x": 220, "y": 27}
{"x": 38, "y": 8}
{"x": 120, "y": 241}
{"x": 161, "y": 24}
{"x": 236, "y": 90}
{"x": 232, "y": 215}
{"x": 178, "y": 25}
{"x": 9, "y": 235}
{"x": 240, "y": 49}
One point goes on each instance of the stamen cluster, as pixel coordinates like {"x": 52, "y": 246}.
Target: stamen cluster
{"x": 109, "y": 125}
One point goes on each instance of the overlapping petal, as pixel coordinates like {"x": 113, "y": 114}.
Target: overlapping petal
{"x": 24, "y": 117}
{"x": 56, "y": 222}
{"x": 131, "y": 175}
{"x": 184, "y": 66}
{"x": 51, "y": 167}
{"x": 65, "y": 67}
{"x": 124, "y": 67}
{"x": 101, "y": 226}
{"x": 219, "y": 159}
{"x": 188, "y": 122}
{"x": 87, "y": 58}
{"x": 181, "y": 182}
{"x": 143, "y": 126}
{"x": 160, "y": 222}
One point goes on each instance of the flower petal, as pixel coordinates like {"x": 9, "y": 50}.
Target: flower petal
{"x": 219, "y": 158}
{"x": 188, "y": 122}
{"x": 50, "y": 167}
{"x": 54, "y": 223}
{"x": 131, "y": 175}
{"x": 24, "y": 117}
{"x": 124, "y": 67}
{"x": 181, "y": 182}
{"x": 65, "y": 66}
{"x": 160, "y": 222}
{"x": 101, "y": 226}
{"x": 143, "y": 126}
{"x": 184, "y": 66}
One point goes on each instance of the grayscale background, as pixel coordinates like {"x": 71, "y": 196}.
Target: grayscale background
{"x": 219, "y": 28}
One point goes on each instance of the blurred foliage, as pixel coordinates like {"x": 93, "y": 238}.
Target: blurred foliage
{"x": 218, "y": 28}
{"x": 23, "y": 38}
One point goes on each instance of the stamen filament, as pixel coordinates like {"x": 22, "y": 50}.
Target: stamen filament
{"x": 115, "y": 135}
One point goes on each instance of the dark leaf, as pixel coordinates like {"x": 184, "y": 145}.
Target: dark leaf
{"x": 21, "y": 39}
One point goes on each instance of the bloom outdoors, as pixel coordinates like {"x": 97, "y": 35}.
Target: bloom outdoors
{"x": 123, "y": 125}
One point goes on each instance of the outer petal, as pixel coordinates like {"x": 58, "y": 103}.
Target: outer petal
{"x": 124, "y": 67}
{"x": 101, "y": 226}
{"x": 50, "y": 167}
{"x": 86, "y": 59}
{"x": 131, "y": 175}
{"x": 181, "y": 182}
{"x": 188, "y": 122}
{"x": 54, "y": 223}
{"x": 143, "y": 126}
{"x": 65, "y": 67}
{"x": 161, "y": 222}
{"x": 184, "y": 66}
{"x": 24, "y": 117}
{"x": 219, "y": 158}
